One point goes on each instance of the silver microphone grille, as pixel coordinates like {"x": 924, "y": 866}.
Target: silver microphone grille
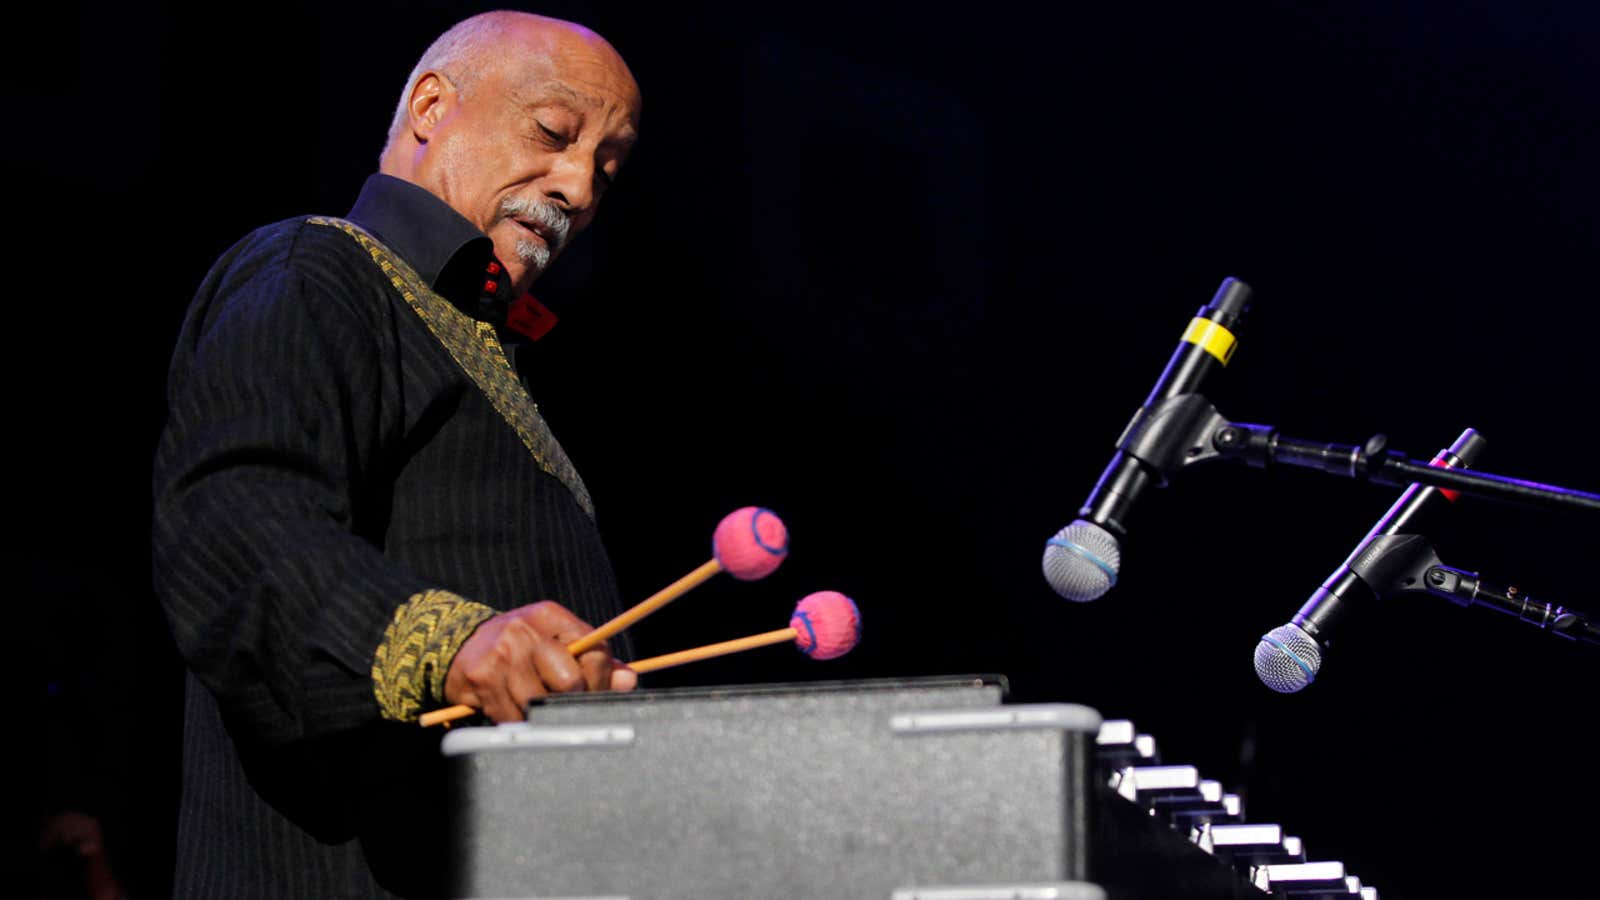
{"x": 1081, "y": 561}
{"x": 1287, "y": 659}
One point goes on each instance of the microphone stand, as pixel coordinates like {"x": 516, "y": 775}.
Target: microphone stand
{"x": 1405, "y": 564}
{"x": 1467, "y": 589}
{"x": 1187, "y": 430}
{"x": 1261, "y": 445}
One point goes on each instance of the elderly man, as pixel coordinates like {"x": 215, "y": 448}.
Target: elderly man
{"x": 355, "y": 494}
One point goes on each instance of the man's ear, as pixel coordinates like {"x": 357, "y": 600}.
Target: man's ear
{"x": 429, "y": 101}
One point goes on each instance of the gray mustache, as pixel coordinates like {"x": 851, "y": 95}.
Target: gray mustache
{"x": 543, "y": 213}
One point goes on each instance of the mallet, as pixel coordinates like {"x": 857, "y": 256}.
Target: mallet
{"x": 749, "y": 544}
{"x": 825, "y": 625}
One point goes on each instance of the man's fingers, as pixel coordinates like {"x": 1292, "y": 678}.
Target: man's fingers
{"x": 559, "y": 623}
{"x": 556, "y": 668}
{"x": 554, "y": 621}
{"x": 522, "y": 684}
{"x": 622, "y": 677}
{"x": 596, "y": 666}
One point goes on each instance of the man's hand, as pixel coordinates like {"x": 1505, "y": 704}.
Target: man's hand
{"x": 522, "y": 654}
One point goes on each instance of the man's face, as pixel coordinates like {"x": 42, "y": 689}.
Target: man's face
{"x": 528, "y": 153}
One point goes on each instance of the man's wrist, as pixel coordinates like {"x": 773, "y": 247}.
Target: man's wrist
{"x": 412, "y": 660}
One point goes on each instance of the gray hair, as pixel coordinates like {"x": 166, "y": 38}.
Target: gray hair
{"x": 459, "y": 54}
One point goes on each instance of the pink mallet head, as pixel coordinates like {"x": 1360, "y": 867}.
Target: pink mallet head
{"x": 827, "y": 625}
{"x": 750, "y": 543}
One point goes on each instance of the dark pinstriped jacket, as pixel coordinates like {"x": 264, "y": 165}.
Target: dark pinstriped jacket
{"x": 349, "y": 462}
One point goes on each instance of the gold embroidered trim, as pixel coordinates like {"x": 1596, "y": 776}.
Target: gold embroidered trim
{"x": 476, "y": 349}
{"x": 416, "y": 651}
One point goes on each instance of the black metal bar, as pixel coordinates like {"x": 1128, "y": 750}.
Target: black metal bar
{"x": 1399, "y": 470}
{"x": 1261, "y": 445}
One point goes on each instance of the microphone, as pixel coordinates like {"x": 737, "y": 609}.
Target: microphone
{"x": 1289, "y": 657}
{"x": 1082, "y": 560}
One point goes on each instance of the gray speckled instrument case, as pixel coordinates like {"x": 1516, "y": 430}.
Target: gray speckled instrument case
{"x": 922, "y": 788}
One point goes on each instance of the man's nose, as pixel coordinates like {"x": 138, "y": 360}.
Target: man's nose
{"x": 570, "y": 184}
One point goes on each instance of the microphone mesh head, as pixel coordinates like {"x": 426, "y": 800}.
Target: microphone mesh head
{"x": 1081, "y": 561}
{"x": 1287, "y": 659}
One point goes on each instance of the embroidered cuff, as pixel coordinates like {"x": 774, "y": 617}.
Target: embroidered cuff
{"x": 417, "y": 648}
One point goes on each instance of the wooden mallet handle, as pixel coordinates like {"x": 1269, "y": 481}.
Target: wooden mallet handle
{"x": 668, "y": 660}
{"x": 594, "y": 638}
{"x": 654, "y": 602}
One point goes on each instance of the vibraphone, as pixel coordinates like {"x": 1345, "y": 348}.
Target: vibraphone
{"x": 920, "y": 789}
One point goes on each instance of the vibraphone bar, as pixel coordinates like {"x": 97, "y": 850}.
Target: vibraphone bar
{"x": 1204, "y": 814}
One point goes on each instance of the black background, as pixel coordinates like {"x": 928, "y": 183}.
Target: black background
{"x": 902, "y": 275}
